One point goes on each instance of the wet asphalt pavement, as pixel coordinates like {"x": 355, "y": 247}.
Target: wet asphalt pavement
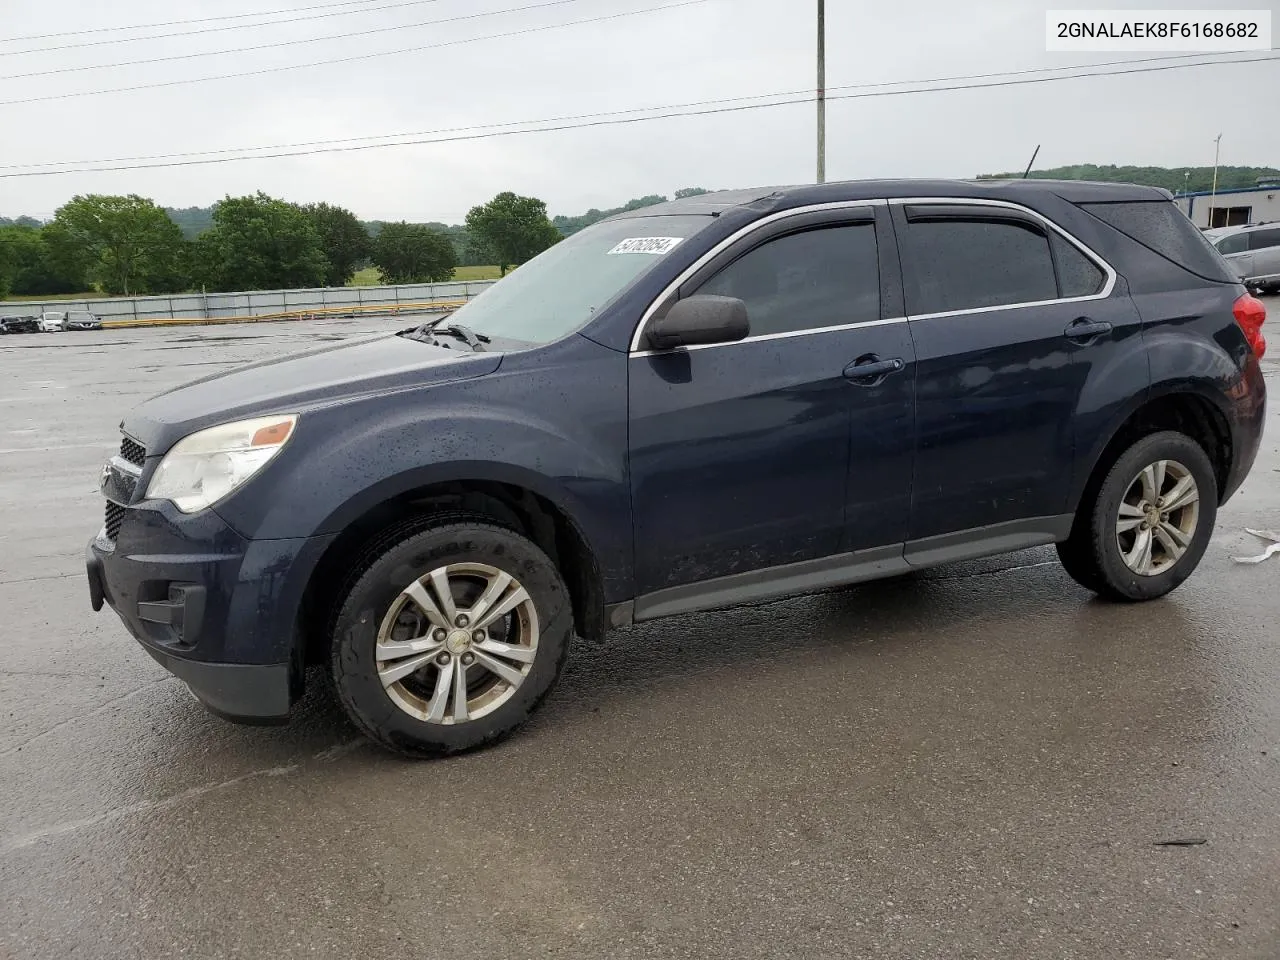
{"x": 975, "y": 762}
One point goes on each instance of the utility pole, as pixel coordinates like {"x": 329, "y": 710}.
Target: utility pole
{"x": 822, "y": 91}
{"x": 1213, "y": 194}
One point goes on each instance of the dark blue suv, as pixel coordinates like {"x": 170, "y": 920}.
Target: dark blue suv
{"x": 727, "y": 398}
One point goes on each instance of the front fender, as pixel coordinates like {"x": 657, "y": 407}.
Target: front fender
{"x": 563, "y": 439}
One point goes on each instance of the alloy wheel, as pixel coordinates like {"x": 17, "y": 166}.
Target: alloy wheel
{"x": 457, "y": 643}
{"x": 1157, "y": 517}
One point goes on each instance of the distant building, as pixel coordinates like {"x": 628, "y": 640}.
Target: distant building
{"x": 1229, "y": 208}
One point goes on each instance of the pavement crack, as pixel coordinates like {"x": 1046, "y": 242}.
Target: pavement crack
{"x": 63, "y": 674}
{"x": 989, "y": 573}
{"x": 79, "y": 718}
{"x": 52, "y": 576}
{"x": 22, "y": 841}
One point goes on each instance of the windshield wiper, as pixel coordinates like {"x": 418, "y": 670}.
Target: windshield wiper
{"x": 429, "y": 331}
{"x": 475, "y": 341}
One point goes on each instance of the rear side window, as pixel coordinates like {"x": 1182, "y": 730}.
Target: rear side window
{"x": 1261, "y": 239}
{"x": 802, "y": 281}
{"x": 1078, "y": 276}
{"x": 957, "y": 264}
{"x": 1234, "y": 243}
{"x": 1161, "y": 227}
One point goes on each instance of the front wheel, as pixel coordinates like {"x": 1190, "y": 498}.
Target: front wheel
{"x": 1149, "y": 524}
{"x": 451, "y": 638}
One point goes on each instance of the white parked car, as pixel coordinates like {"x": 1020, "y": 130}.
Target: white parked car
{"x": 51, "y": 321}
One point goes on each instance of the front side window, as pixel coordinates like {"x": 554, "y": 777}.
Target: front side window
{"x": 958, "y": 264}
{"x": 1235, "y": 243}
{"x": 824, "y": 277}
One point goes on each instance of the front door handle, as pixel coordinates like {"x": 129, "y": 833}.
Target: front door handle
{"x": 868, "y": 369}
{"x": 1078, "y": 331}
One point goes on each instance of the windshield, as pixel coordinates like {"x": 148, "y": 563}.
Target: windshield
{"x": 558, "y": 291}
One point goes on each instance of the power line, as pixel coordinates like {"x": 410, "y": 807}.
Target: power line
{"x": 616, "y": 121}
{"x": 177, "y": 23}
{"x": 351, "y": 59}
{"x": 289, "y": 43}
{"x": 606, "y": 113}
{"x": 234, "y": 26}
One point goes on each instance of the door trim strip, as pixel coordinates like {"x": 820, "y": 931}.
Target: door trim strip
{"x": 842, "y": 569}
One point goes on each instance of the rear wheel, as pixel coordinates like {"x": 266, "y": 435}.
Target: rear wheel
{"x": 450, "y": 639}
{"x": 1149, "y": 524}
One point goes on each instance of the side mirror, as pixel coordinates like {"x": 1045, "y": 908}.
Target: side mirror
{"x": 698, "y": 320}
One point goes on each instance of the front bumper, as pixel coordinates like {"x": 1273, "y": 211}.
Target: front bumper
{"x": 218, "y": 612}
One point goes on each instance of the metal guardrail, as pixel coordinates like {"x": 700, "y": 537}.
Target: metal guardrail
{"x": 259, "y": 304}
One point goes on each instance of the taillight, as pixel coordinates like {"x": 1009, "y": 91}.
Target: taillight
{"x": 1250, "y": 313}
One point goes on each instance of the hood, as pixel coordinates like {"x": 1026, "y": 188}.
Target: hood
{"x": 292, "y": 384}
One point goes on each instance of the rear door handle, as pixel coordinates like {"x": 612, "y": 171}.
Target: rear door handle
{"x": 867, "y": 369}
{"x": 1084, "y": 329}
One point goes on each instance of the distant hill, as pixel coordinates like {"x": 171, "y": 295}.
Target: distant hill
{"x": 1173, "y": 179}
{"x": 20, "y": 222}
{"x": 571, "y": 225}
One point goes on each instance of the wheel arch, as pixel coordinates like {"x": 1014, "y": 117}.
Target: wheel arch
{"x": 397, "y": 507}
{"x": 1186, "y": 407}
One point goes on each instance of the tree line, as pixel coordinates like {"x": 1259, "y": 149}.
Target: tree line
{"x": 128, "y": 245}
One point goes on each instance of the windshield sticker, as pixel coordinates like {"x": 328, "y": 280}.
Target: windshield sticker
{"x": 654, "y": 245}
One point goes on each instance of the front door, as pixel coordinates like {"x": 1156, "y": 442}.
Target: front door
{"x": 741, "y": 453}
{"x": 1235, "y": 250}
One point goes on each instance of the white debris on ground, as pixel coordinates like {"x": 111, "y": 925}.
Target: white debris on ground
{"x": 1270, "y": 551}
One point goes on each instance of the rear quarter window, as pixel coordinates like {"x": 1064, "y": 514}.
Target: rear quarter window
{"x": 1164, "y": 229}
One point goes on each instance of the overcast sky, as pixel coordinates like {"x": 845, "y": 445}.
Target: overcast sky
{"x": 708, "y": 50}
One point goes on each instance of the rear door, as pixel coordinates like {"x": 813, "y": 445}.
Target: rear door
{"x": 1264, "y": 246}
{"x": 1008, "y": 316}
{"x": 741, "y": 453}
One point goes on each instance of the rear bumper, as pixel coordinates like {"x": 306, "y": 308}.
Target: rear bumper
{"x": 218, "y": 612}
{"x": 1249, "y": 417}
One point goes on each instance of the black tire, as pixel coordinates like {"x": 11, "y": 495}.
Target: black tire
{"x": 1092, "y": 555}
{"x": 1077, "y": 560}
{"x": 416, "y": 554}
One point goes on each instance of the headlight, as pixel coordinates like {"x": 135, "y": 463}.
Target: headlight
{"x": 203, "y": 468}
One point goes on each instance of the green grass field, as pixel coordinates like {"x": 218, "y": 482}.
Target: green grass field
{"x": 369, "y": 277}
{"x": 477, "y": 273}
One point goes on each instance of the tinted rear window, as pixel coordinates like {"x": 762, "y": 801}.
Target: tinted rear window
{"x": 1160, "y": 226}
{"x": 957, "y": 264}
